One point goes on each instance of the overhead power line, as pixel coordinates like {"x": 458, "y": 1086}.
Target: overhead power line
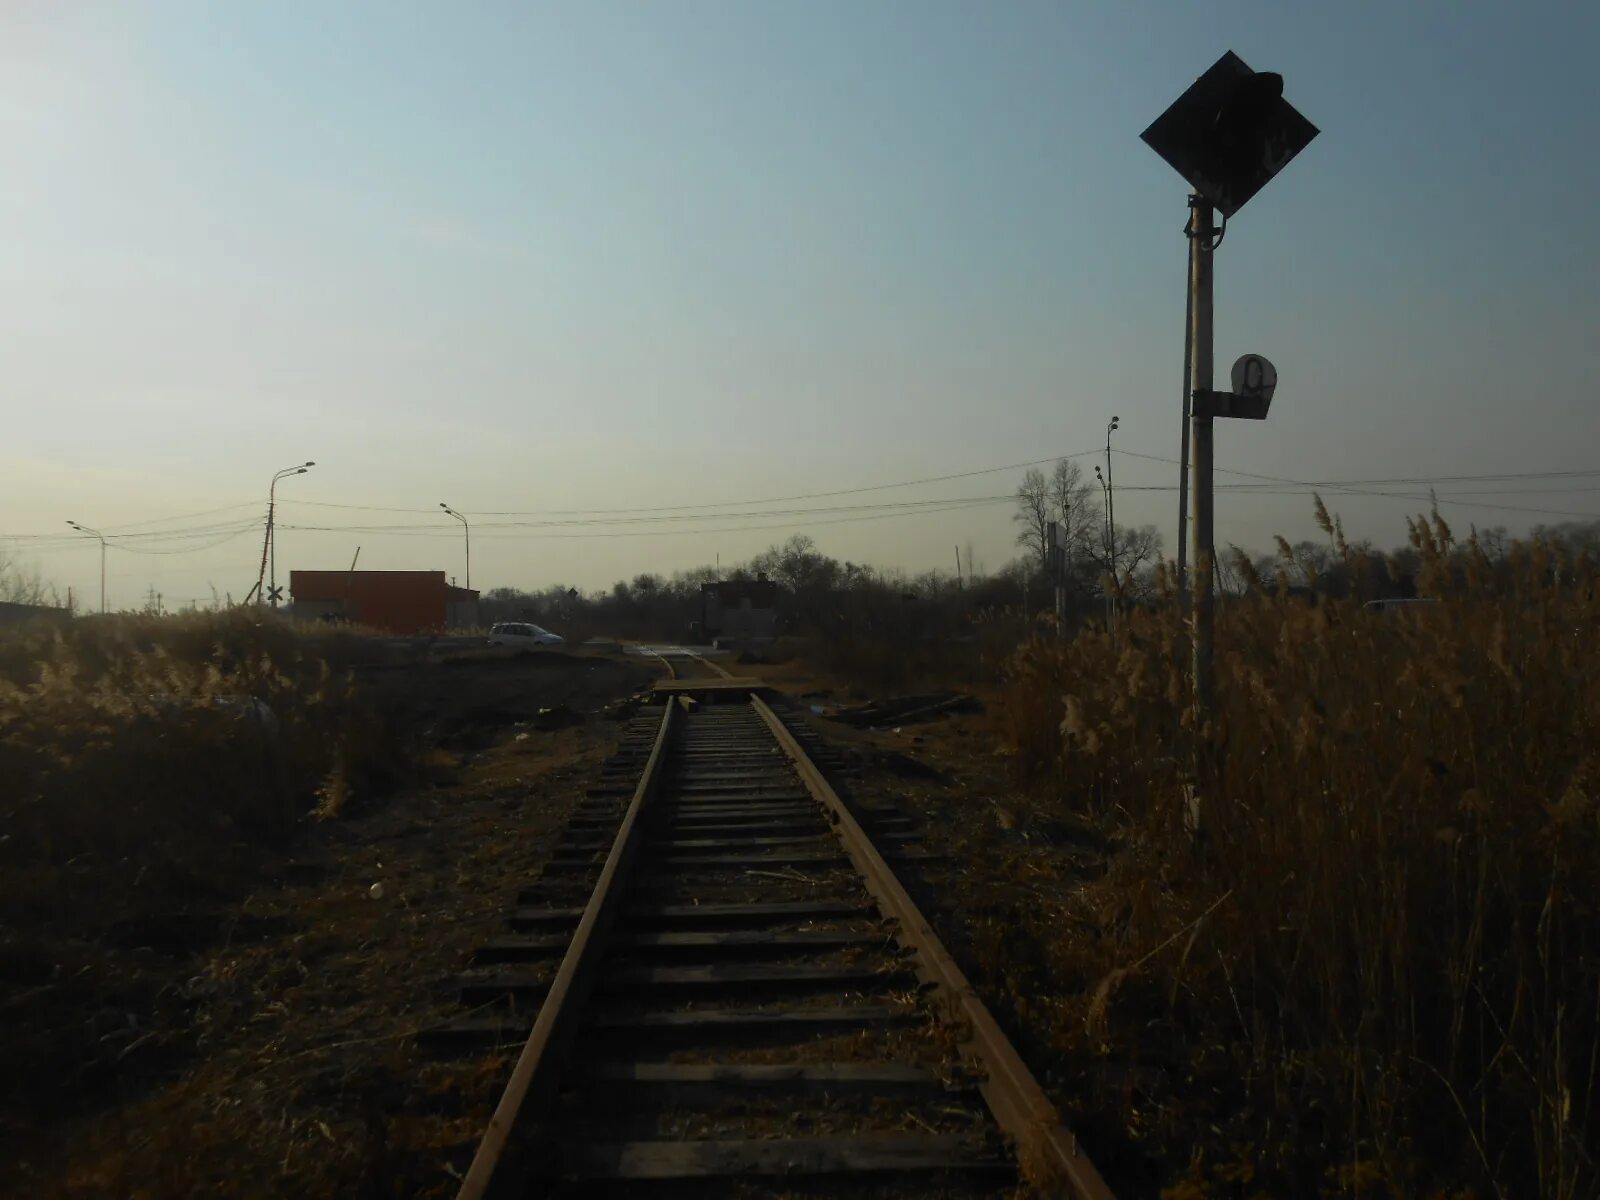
{"x": 137, "y": 537}
{"x": 1273, "y": 489}
{"x": 538, "y": 531}
{"x": 757, "y": 514}
{"x": 205, "y": 512}
{"x": 666, "y": 508}
{"x": 1359, "y": 489}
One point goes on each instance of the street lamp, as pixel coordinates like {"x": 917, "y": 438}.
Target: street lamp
{"x": 466, "y": 532}
{"x": 269, "y": 551}
{"x": 1111, "y": 504}
{"x": 1105, "y": 495}
{"x": 95, "y": 533}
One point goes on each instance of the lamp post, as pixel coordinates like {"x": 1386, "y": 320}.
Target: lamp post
{"x": 466, "y": 532}
{"x": 95, "y": 533}
{"x": 1105, "y": 495}
{"x": 269, "y": 550}
{"x": 1111, "y": 505}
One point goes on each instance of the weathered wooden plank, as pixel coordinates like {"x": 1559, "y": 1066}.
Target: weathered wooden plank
{"x": 742, "y": 979}
{"x": 736, "y": 979}
{"x": 685, "y": 862}
{"x": 689, "y": 845}
{"x": 787, "y": 1156}
{"x": 715, "y": 1022}
{"x": 797, "y": 910}
{"x": 701, "y": 916}
{"x": 729, "y": 942}
{"x": 742, "y": 811}
{"x": 718, "y": 826}
{"x": 686, "y": 1082}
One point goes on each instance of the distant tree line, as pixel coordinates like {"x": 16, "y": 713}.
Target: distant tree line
{"x": 817, "y": 595}
{"x": 847, "y": 602}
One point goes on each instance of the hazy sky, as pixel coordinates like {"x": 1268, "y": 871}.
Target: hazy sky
{"x": 526, "y": 258}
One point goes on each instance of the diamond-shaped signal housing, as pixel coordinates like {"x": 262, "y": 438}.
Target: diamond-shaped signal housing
{"x": 1230, "y": 133}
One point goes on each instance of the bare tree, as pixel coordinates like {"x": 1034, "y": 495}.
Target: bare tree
{"x": 1138, "y": 550}
{"x": 21, "y": 583}
{"x": 1077, "y": 507}
{"x": 797, "y": 564}
{"x": 1035, "y": 511}
{"x": 1067, "y": 498}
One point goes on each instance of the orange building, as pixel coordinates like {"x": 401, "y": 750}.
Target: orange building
{"x": 395, "y": 601}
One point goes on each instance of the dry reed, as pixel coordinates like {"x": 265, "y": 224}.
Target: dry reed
{"x": 1394, "y": 818}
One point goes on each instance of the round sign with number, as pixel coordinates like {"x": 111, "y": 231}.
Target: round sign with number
{"x": 1254, "y": 377}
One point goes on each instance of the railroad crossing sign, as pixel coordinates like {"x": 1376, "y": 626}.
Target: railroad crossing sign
{"x": 275, "y": 593}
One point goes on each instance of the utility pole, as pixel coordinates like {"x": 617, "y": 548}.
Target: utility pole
{"x": 1228, "y": 135}
{"x": 958, "y": 567}
{"x": 1105, "y": 496}
{"x": 1062, "y": 588}
{"x": 272, "y": 551}
{"x": 1188, "y": 390}
{"x": 1200, "y": 247}
{"x": 95, "y": 533}
{"x": 466, "y": 531}
{"x": 269, "y": 548}
{"x": 1111, "y": 511}
{"x": 1055, "y": 559}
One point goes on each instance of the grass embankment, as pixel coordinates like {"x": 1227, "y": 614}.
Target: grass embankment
{"x": 146, "y": 765}
{"x": 1375, "y": 970}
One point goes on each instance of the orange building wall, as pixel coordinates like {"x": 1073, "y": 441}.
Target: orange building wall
{"x": 395, "y": 601}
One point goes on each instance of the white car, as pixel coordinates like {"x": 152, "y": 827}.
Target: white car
{"x": 523, "y": 634}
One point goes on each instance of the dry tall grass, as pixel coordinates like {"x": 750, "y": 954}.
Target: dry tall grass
{"x": 241, "y": 716}
{"x": 144, "y": 764}
{"x": 1382, "y": 951}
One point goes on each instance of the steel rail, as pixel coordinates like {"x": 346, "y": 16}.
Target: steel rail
{"x": 706, "y": 662}
{"x": 1047, "y": 1151}
{"x": 533, "y": 1079}
{"x": 672, "y": 671}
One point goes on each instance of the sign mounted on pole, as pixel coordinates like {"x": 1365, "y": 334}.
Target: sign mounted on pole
{"x": 1254, "y": 381}
{"x": 1254, "y": 378}
{"x": 1230, "y": 133}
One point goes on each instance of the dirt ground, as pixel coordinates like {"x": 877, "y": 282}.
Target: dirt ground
{"x": 259, "y": 1043}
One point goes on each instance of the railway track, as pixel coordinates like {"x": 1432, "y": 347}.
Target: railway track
{"x": 718, "y": 982}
